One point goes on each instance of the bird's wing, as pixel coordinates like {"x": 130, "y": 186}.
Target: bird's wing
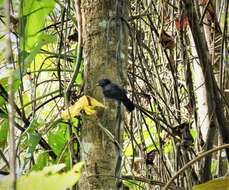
{"x": 115, "y": 92}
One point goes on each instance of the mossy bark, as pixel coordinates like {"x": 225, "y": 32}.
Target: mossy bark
{"x": 105, "y": 56}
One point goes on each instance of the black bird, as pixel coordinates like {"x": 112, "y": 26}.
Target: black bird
{"x": 113, "y": 91}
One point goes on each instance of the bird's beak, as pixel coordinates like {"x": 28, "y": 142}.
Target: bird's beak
{"x": 97, "y": 84}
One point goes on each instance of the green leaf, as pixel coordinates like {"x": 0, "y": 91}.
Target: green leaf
{"x": 46, "y": 38}
{"x": 46, "y": 179}
{"x": 43, "y": 180}
{"x": 3, "y": 114}
{"x": 34, "y": 15}
{"x": 128, "y": 151}
{"x": 79, "y": 79}
{"x": 4, "y": 127}
{"x": 168, "y": 147}
{"x": 220, "y": 183}
{"x": 32, "y": 127}
{"x": 42, "y": 40}
{"x": 16, "y": 79}
{"x": 58, "y": 137}
{"x": 193, "y": 133}
{"x": 30, "y": 139}
{"x": 1, "y": 2}
{"x": 41, "y": 162}
{"x": 2, "y": 101}
{"x": 132, "y": 184}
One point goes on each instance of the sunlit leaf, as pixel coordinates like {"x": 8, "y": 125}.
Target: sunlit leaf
{"x": 46, "y": 179}
{"x": 85, "y": 103}
{"x": 42, "y": 180}
{"x": 149, "y": 121}
{"x": 168, "y": 147}
{"x": 79, "y": 76}
{"x": 128, "y": 151}
{"x": 1, "y": 2}
{"x": 42, "y": 40}
{"x": 220, "y": 184}
{"x": 193, "y": 133}
{"x": 34, "y": 15}
{"x": 132, "y": 184}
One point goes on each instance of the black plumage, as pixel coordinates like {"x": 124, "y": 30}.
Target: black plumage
{"x": 113, "y": 91}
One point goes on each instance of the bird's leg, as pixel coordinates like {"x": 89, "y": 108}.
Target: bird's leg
{"x": 117, "y": 147}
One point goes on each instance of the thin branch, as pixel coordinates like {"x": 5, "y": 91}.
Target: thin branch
{"x": 193, "y": 161}
{"x": 11, "y": 108}
{"x": 79, "y": 50}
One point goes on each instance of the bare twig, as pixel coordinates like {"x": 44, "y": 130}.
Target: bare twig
{"x": 79, "y": 50}
{"x": 9, "y": 56}
{"x": 193, "y": 161}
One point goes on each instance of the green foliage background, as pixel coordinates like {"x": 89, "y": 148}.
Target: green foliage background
{"x": 161, "y": 135}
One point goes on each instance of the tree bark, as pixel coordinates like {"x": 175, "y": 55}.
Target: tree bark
{"x": 105, "y": 56}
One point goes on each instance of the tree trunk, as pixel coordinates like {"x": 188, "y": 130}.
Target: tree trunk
{"x": 105, "y": 56}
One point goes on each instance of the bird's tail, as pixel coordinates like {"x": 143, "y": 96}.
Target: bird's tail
{"x": 128, "y": 104}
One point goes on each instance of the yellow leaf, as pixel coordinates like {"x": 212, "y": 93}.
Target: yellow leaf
{"x": 46, "y": 179}
{"x": 40, "y": 180}
{"x": 89, "y": 110}
{"x": 85, "y": 103}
